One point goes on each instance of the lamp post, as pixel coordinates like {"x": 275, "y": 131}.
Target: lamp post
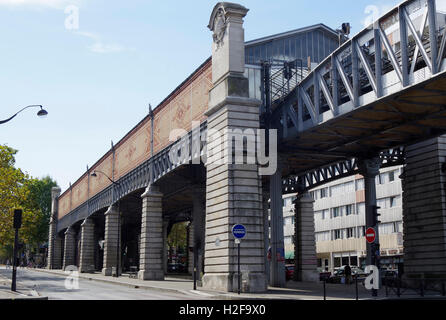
{"x": 17, "y": 225}
{"x": 41, "y": 113}
{"x": 118, "y": 253}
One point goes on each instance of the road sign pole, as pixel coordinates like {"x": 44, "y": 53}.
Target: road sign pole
{"x": 14, "y": 259}
{"x": 239, "y": 232}
{"x": 17, "y": 224}
{"x": 238, "y": 263}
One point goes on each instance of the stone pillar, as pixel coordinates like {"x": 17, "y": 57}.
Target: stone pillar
{"x": 277, "y": 264}
{"x": 199, "y": 222}
{"x": 70, "y": 248}
{"x": 86, "y": 263}
{"x": 369, "y": 169}
{"x": 152, "y": 246}
{"x": 424, "y": 209}
{"x": 305, "y": 261}
{"x": 112, "y": 235}
{"x": 54, "y": 242}
{"x": 233, "y": 191}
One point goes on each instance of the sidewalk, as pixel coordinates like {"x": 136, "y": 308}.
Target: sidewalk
{"x": 294, "y": 290}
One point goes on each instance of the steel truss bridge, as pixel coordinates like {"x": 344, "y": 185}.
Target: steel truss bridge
{"x": 381, "y": 90}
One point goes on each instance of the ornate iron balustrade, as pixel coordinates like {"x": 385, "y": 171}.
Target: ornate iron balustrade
{"x": 157, "y": 166}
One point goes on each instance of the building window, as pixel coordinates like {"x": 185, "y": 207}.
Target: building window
{"x": 337, "y": 234}
{"x": 354, "y": 261}
{"x": 391, "y": 176}
{"x": 392, "y": 202}
{"x": 324, "y": 214}
{"x": 349, "y": 210}
{"x": 350, "y": 233}
{"x": 359, "y": 184}
{"x": 324, "y": 193}
{"x": 381, "y": 203}
{"x": 360, "y": 208}
{"x": 336, "y": 212}
{"x": 337, "y": 262}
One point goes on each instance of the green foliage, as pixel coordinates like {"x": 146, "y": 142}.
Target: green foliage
{"x": 33, "y": 196}
{"x": 178, "y": 236}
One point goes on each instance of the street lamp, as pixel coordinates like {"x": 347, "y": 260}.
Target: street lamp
{"x": 41, "y": 113}
{"x": 118, "y": 253}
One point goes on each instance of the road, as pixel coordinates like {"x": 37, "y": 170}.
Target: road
{"x": 53, "y": 287}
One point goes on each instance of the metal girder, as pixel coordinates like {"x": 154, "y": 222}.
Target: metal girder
{"x": 342, "y": 169}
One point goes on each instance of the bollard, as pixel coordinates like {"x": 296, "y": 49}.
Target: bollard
{"x": 422, "y": 288}
{"x": 325, "y": 293}
{"x": 398, "y": 292}
{"x": 356, "y": 284}
{"x": 443, "y": 288}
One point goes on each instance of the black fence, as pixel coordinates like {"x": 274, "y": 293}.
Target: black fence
{"x": 421, "y": 287}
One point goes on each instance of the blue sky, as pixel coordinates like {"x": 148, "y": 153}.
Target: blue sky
{"x": 97, "y": 81}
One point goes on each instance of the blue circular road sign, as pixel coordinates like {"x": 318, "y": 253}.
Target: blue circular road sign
{"x": 239, "y": 231}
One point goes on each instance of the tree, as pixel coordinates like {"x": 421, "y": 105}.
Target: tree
{"x": 33, "y": 196}
{"x": 39, "y": 201}
{"x": 178, "y": 236}
{"x": 12, "y": 193}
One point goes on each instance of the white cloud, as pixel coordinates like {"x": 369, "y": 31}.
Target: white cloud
{"x": 56, "y": 4}
{"x": 99, "y": 46}
{"x": 89, "y": 35}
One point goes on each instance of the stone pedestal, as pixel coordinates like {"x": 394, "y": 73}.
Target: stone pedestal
{"x": 112, "y": 235}
{"x": 424, "y": 209}
{"x": 69, "y": 248}
{"x": 233, "y": 187}
{"x": 87, "y": 246}
{"x": 152, "y": 246}
{"x": 305, "y": 246}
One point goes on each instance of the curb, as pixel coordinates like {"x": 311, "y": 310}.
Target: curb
{"x": 129, "y": 285}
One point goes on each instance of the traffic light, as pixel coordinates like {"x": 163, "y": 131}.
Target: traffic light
{"x": 17, "y": 218}
{"x": 376, "y": 215}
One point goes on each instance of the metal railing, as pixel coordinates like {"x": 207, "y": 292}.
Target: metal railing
{"x": 422, "y": 287}
{"x": 404, "y": 47}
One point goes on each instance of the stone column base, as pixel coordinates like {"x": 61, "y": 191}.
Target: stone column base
{"x": 151, "y": 275}
{"x": 88, "y": 269}
{"x": 109, "y": 271}
{"x": 251, "y": 282}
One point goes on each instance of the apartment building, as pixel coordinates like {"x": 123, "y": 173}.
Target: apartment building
{"x": 339, "y": 215}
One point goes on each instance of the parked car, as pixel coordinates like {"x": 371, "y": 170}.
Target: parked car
{"x": 289, "y": 271}
{"x": 339, "y": 273}
{"x": 176, "y": 268}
